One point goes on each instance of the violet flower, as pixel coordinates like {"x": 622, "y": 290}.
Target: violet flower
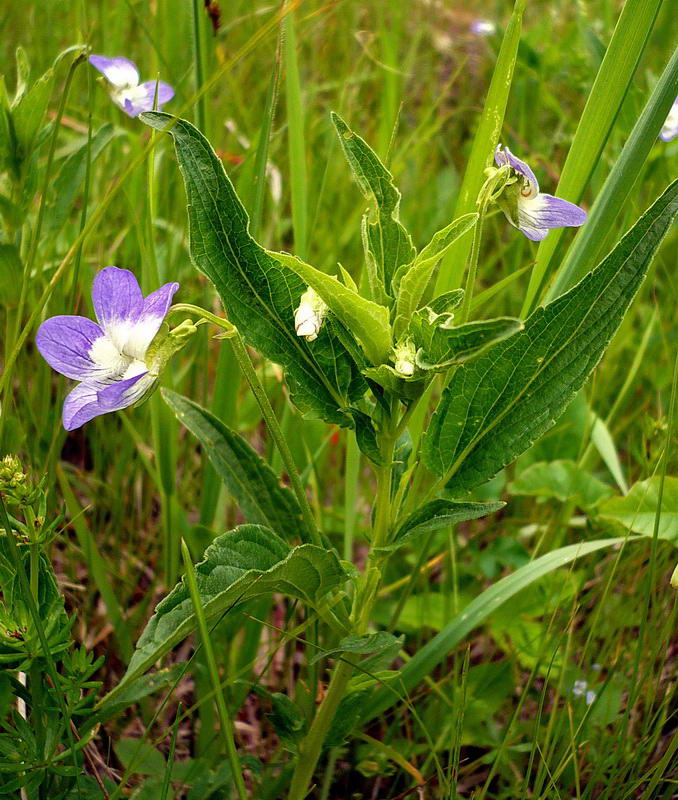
{"x": 483, "y": 27}
{"x": 531, "y": 211}
{"x": 124, "y": 87}
{"x": 109, "y": 359}
{"x": 670, "y": 128}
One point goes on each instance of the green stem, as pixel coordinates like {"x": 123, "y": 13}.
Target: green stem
{"x": 226, "y": 725}
{"x": 311, "y": 748}
{"x": 267, "y": 412}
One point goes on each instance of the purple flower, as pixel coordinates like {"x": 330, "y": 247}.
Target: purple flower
{"x": 531, "y": 211}
{"x": 126, "y": 91}
{"x": 109, "y": 358}
{"x": 670, "y": 128}
{"x": 483, "y": 27}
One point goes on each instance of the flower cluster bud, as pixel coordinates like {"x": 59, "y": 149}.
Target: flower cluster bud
{"x": 404, "y": 355}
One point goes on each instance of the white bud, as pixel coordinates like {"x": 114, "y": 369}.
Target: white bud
{"x": 309, "y": 316}
{"x": 403, "y": 357}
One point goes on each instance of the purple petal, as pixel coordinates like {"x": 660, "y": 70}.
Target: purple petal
{"x": 116, "y": 296}
{"x": 158, "y": 302}
{"x": 670, "y": 128}
{"x": 119, "y": 72}
{"x": 89, "y": 400}
{"x": 142, "y": 98}
{"x": 165, "y": 91}
{"x": 80, "y": 406}
{"x": 505, "y": 156}
{"x": 124, "y": 393}
{"x": 539, "y": 214}
{"x": 65, "y": 342}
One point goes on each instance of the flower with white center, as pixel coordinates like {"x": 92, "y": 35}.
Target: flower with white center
{"x": 309, "y": 316}
{"x": 670, "y": 128}
{"x": 483, "y": 27}
{"x": 526, "y": 208}
{"x": 404, "y": 355}
{"x": 124, "y": 87}
{"x": 109, "y": 358}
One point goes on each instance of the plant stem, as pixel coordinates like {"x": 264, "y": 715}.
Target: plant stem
{"x": 226, "y": 724}
{"x": 311, "y": 748}
{"x": 243, "y": 359}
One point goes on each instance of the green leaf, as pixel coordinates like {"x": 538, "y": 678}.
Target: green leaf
{"x": 362, "y": 645}
{"x": 439, "y": 514}
{"x": 638, "y": 509}
{"x": 29, "y": 113}
{"x": 244, "y": 563}
{"x": 286, "y": 718}
{"x": 367, "y": 321}
{"x": 250, "y": 481}
{"x": 602, "y": 440}
{"x": 259, "y": 296}
{"x": 495, "y": 407}
{"x": 388, "y": 245}
{"x": 366, "y": 437}
{"x": 72, "y": 174}
{"x": 388, "y": 378}
{"x": 437, "y": 650}
{"x": 140, "y": 757}
{"x": 562, "y": 480}
{"x": 440, "y": 346}
{"x": 412, "y": 279}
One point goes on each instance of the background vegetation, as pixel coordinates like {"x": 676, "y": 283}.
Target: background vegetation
{"x": 508, "y": 715}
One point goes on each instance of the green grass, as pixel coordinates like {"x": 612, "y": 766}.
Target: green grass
{"x": 497, "y": 717}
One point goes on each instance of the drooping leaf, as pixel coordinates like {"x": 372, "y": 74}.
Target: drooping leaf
{"x": 368, "y": 321}
{"x": 495, "y": 407}
{"x": 440, "y": 344}
{"x": 439, "y": 514}
{"x": 388, "y": 245}
{"x": 638, "y": 509}
{"x": 248, "y": 478}
{"x": 411, "y": 280}
{"x": 562, "y": 480}
{"x": 246, "y": 562}
{"x": 259, "y": 295}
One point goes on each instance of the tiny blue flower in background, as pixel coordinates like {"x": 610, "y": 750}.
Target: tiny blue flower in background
{"x": 483, "y": 27}
{"x": 109, "y": 358}
{"x": 531, "y": 211}
{"x": 579, "y": 688}
{"x": 670, "y": 129}
{"x": 126, "y": 91}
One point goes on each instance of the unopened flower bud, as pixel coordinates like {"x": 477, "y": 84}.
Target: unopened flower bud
{"x": 309, "y": 316}
{"x": 404, "y": 355}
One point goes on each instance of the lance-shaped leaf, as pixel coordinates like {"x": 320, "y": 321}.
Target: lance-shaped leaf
{"x": 412, "y": 279}
{"x": 495, "y": 407}
{"x": 250, "y": 481}
{"x": 367, "y": 321}
{"x": 246, "y": 562}
{"x": 440, "y": 344}
{"x": 439, "y": 514}
{"x": 259, "y": 296}
{"x": 388, "y": 245}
